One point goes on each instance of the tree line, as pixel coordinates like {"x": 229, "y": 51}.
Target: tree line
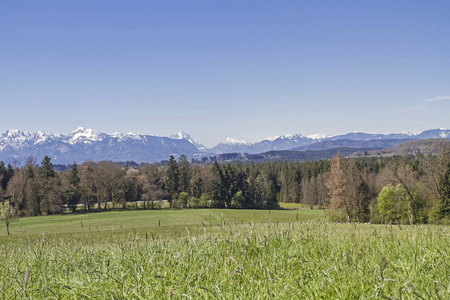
{"x": 399, "y": 189}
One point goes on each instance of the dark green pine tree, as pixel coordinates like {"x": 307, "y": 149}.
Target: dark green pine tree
{"x": 172, "y": 179}
{"x": 5, "y": 174}
{"x": 74, "y": 187}
{"x": 198, "y": 188}
{"x": 185, "y": 173}
{"x": 47, "y": 173}
{"x": 444, "y": 191}
{"x": 32, "y": 199}
{"x": 47, "y": 169}
{"x": 271, "y": 196}
{"x": 219, "y": 186}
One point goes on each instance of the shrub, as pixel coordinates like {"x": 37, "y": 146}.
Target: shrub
{"x": 204, "y": 200}
{"x": 182, "y": 199}
{"x": 238, "y": 200}
{"x": 195, "y": 202}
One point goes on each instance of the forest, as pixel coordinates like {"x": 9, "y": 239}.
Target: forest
{"x": 404, "y": 189}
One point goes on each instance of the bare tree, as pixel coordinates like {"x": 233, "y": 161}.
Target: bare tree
{"x": 401, "y": 172}
{"x": 16, "y": 188}
{"x": 343, "y": 186}
{"x": 152, "y": 178}
{"x": 434, "y": 167}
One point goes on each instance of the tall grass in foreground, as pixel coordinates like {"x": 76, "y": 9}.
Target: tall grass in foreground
{"x": 233, "y": 260}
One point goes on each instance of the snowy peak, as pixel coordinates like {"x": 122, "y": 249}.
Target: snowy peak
{"x": 13, "y": 134}
{"x": 282, "y": 137}
{"x": 184, "y": 136}
{"x": 230, "y": 145}
{"x": 128, "y": 136}
{"x": 319, "y": 136}
{"x": 14, "y": 139}
{"x": 84, "y": 135}
{"x": 283, "y": 142}
{"x": 180, "y": 136}
{"x": 41, "y": 137}
{"x": 231, "y": 141}
{"x": 434, "y": 133}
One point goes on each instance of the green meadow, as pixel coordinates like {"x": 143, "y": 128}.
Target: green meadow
{"x": 220, "y": 254}
{"x": 168, "y": 221}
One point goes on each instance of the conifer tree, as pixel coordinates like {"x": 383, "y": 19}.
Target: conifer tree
{"x": 271, "y": 196}
{"x": 172, "y": 177}
{"x": 5, "y": 174}
{"x": 49, "y": 200}
{"x": 32, "y": 200}
{"x": 47, "y": 168}
{"x": 74, "y": 187}
{"x": 185, "y": 173}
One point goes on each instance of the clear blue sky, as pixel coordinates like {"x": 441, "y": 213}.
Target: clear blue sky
{"x": 216, "y": 69}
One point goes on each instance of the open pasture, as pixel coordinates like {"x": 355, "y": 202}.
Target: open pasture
{"x": 221, "y": 254}
{"x": 172, "y": 221}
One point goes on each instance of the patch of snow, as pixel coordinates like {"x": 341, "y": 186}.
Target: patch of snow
{"x": 270, "y": 139}
{"x": 41, "y": 137}
{"x": 185, "y": 136}
{"x": 84, "y": 135}
{"x": 231, "y": 141}
{"x": 319, "y": 136}
{"x": 117, "y": 134}
{"x": 288, "y": 136}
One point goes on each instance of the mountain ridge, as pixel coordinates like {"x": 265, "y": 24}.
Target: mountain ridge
{"x": 85, "y": 143}
{"x": 294, "y": 141}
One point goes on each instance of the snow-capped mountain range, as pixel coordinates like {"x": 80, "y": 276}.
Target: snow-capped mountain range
{"x": 84, "y": 143}
{"x": 298, "y": 141}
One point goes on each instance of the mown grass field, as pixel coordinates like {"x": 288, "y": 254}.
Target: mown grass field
{"x": 104, "y": 224}
{"x": 221, "y": 254}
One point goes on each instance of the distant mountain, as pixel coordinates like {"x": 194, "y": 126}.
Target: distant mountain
{"x": 230, "y": 145}
{"x": 184, "y": 136}
{"x": 322, "y": 142}
{"x": 82, "y": 144}
{"x": 434, "y": 134}
{"x": 284, "y": 142}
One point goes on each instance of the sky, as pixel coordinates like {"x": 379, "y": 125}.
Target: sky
{"x": 216, "y": 69}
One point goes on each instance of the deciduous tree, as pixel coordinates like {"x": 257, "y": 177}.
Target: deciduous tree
{"x": 8, "y": 213}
